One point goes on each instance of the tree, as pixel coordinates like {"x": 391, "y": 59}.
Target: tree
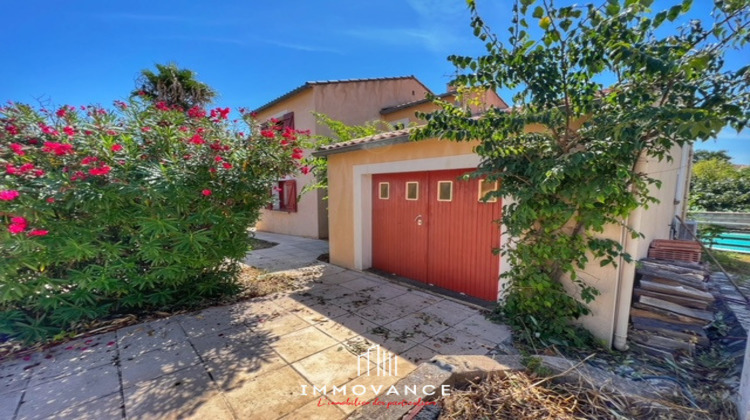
{"x": 174, "y": 86}
{"x": 701, "y": 155}
{"x": 340, "y": 132}
{"x": 567, "y": 151}
{"x": 717, "y": 185}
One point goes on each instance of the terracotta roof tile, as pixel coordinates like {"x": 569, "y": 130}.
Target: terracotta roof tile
{"x": 395, "y": 136}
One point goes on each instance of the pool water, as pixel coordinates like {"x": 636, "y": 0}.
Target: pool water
{"x": 731, "y": 241}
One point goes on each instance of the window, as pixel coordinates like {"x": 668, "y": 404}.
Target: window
{"x": 286, "y": 120}
{"x": 284, "y": 196}
{"x": 486, "y": 187}
{"x": 385, "y": 190}
{"x": 412, "y": 191}
{"x": 445, "y": 191}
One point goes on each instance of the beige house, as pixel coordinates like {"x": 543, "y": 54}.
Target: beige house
{"x": 350, "y": 101}
{"x": 395, "y": 204}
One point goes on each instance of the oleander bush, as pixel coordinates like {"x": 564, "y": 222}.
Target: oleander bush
{"x": 135, "y": 208}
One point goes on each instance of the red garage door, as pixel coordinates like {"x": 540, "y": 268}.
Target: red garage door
{"x": 432, "y": 227}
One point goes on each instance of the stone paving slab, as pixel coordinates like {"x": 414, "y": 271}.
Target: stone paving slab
{"x": 257, "y": 359}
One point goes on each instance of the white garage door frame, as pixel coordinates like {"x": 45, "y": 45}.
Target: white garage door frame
{"x": 362, "y": 196}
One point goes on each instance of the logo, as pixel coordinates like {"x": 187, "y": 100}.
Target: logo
{"x": 386, "y": 363}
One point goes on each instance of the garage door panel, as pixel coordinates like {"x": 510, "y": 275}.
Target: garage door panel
{"x": 452, "y": 248}
{"x": 399, "y": 229}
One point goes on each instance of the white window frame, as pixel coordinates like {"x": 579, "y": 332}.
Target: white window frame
{"x": 380, "y": 190}
{"x": 482, "y": 194}
{"x": 450, "y": 198}
{"x": 406, "y": 191}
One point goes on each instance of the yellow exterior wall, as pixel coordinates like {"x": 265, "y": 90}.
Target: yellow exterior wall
{"x": 485, "y": 100}
{"x": 353, "y": 103}
{"x": 652, "y": 222}
{"x": 359, "y": 102}
{"x": 305, "y": 221}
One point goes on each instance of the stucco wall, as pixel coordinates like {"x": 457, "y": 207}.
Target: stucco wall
{"x": 486, "y": 100}
{"x": 609, "y": 280}
{"x": 359, "y": 102}
{"x": 305, "y": 221}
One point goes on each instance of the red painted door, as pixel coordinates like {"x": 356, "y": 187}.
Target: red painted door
{"x": 399, "y": 229}
{"x": 462, "y": 235}
{"x": 432, "y": 227}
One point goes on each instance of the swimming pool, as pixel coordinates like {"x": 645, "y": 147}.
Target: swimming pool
{"x": 731, "y": 241}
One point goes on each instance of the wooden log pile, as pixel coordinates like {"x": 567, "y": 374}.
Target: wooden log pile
{"x": 671, "y": 306}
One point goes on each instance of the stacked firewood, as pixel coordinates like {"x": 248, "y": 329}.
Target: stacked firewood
{"x": 671, "y": 306}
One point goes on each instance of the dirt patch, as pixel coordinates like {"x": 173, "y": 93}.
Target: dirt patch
{"x": 256, "y": 244}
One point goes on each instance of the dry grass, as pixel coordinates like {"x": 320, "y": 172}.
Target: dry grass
{"x": 523, "y": 396}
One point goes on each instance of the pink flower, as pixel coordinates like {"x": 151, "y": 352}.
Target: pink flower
{"x": 268, "y": 134}
{"x": 212, "y": 170}
{"x": 102, "y": 170}
{"x": 26, "y": 167}
{"x": 10, "y": 169}
{"x": 141, "y": 93}
{"x": 78, "y": 175}
{"x": 197, "y": 139}
{"x": 17, "y": 149}
{"x": 51, "y": 200}
{"x": 116, "y": 147}
{"x": 17, "y": 225}
{"x": 19, "y": 221}
{"x": 15, "y": 229}
{"x": 89, "y": 160}
{"x": 9, "y": 195}
{"x": 62, "y": 111}
{"x": 145, "y": 129}
{"x": 38, "y": 173}
{"x": 48, "y": 130}
{"x": 10, "y": 128}
{"x": 218, "y": 158}
{"x": 206, "y": 192}
{"x": 220, "y": 114}
{"x": 38, "y": 232}
{"x": 122, "y": 105}
{"x": 196, "y": 112}
{"x": 227, "y": 165}
{"x": 305, "y": 170}
{"x": 57, "y": 148}
{"x": 298, "y": 153}
{"x": 69, "y": 130}
{"x": 162, "y": 106}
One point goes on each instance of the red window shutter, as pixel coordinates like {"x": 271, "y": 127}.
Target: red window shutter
{"x": 287, "y": 121}
{"x": 290, "y": 199}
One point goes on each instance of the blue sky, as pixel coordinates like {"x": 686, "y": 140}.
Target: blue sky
{"x": 83, "y": 52}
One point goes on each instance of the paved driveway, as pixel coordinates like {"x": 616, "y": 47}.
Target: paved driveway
{"x": 259, "y": 359}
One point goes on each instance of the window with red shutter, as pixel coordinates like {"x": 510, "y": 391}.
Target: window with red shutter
{"x": 284, "y": 196}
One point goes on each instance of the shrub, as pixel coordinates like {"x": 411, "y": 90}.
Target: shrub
{"x": 135, "y": 208}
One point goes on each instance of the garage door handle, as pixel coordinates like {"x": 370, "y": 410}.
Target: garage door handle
{"x": 418, "y": 219}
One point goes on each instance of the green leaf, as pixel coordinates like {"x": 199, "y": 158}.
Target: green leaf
{"x": 538, "y": 12}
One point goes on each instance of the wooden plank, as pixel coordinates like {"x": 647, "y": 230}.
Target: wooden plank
{"x": 645, "y": 311}
{"x": 685, "y": 264}
{"x": 660, "y": 342}
{"x": 662, "y": 280}
{"x": 686, "y": 291}
{"x": 684, "y": 301}
{"x": 678, "y": 269}
{"x": 680, "y": 332}
{"x": 688, "y": 278}
{"x": 666, "y": 305}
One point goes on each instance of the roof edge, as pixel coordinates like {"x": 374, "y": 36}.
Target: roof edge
{"x": 364, "y": 144}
